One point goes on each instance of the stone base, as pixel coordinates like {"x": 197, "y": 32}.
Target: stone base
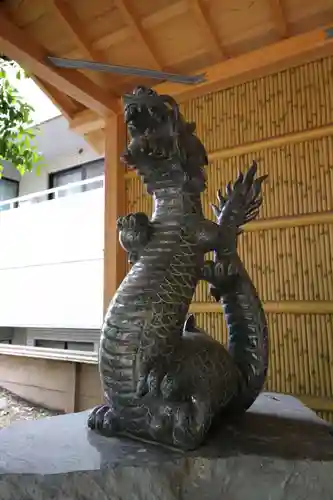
{"x": 279, "y": 450}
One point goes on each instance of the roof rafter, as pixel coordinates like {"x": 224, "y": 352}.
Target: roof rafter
{"x": 33, "y": 57}
{"x": 276, "y": 57}
{"x": 86, "y": 121}
{"x": 132, "y": 20}
{"x": 202, "y": 17}
{"x": 279, "y": 18}
{"x": 270, "y": 59}
{"x": 74, "y": 26}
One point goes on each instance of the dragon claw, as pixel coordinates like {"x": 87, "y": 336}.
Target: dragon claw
{"x": 242, "y": 199}
{"x": 133, "y": 221}
{"x": 135, "y": 232}
{"x": 103, "y": 419}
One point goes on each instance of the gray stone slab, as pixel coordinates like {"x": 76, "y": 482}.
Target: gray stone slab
{"x": 279, "y": 450}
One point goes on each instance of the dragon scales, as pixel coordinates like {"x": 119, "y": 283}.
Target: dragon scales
{"x": 164, "y": 379}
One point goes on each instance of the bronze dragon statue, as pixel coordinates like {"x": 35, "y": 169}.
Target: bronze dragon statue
{"x": 163, "y": 378}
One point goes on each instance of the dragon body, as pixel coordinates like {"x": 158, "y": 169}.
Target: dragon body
{"x": 163, "y": 378}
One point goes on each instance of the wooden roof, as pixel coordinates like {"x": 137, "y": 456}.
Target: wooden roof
{"x": 231, "y": 40}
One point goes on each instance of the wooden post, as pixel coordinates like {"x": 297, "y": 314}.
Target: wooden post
{"x": 115, "y": 205}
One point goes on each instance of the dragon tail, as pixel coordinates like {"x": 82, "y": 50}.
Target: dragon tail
{"x": 247, "y": 332}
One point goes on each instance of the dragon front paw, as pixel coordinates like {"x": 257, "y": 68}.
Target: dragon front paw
{"x": 103, "y": 419}
{"x": 138, "y": 221}
{"x": 135, "y": 232}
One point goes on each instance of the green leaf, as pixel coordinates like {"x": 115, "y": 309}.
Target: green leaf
{"x": 16, "y": 133}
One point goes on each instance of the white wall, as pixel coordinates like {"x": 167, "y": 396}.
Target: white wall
{"x": 9, "y": 171}
{"x": 61, "y": 149}
{"x": 51, "y": 253}
{"x": 51, "y": 263}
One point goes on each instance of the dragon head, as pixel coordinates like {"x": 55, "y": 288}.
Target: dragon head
{"x": 163, "y": 148}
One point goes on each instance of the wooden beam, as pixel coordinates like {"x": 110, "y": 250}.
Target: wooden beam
{"x": 132, "y": 20}
{"x": 153, "y": 20}
{"x": 15, "y": 43}
{"x": 271, "y": 307}
{"x": 205, "y": 24}
{"x": 96, "y": 139}
{"x": 87, "y": 121}
{"x": 280, "y": 141}
{"x": 278, "y": 17}
{"x": 74, "y": 26}
{"x": 115, "y": 205}
{"x": 289, "y": 222}
{"x": 316, "y": 403}
{"x": 267, "y": 60}
{"x": 276, "y": 57}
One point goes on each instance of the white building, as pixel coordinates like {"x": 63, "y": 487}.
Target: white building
{"x": 51, "y": 245}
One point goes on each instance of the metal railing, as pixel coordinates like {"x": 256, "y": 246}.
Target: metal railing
{"x": 41, "y": 196}
{"x": 89, "y": 357}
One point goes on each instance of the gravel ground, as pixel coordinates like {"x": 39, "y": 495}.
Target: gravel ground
{"x": 14, "y": 409}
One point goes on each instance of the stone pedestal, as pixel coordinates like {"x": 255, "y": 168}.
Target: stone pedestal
{"x": 280, "y": 450}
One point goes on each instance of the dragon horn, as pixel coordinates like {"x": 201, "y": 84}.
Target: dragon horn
{"x": 250, "y": 174}
{"x": 228, "y": 188}
{"x": 220, "y": 197}
{"x": 215, "y": 210}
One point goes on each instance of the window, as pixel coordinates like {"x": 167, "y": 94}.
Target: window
{"x": 58, "y": 344}
{"x": 77, "y": 174}
{"x": 8, "y": 189}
